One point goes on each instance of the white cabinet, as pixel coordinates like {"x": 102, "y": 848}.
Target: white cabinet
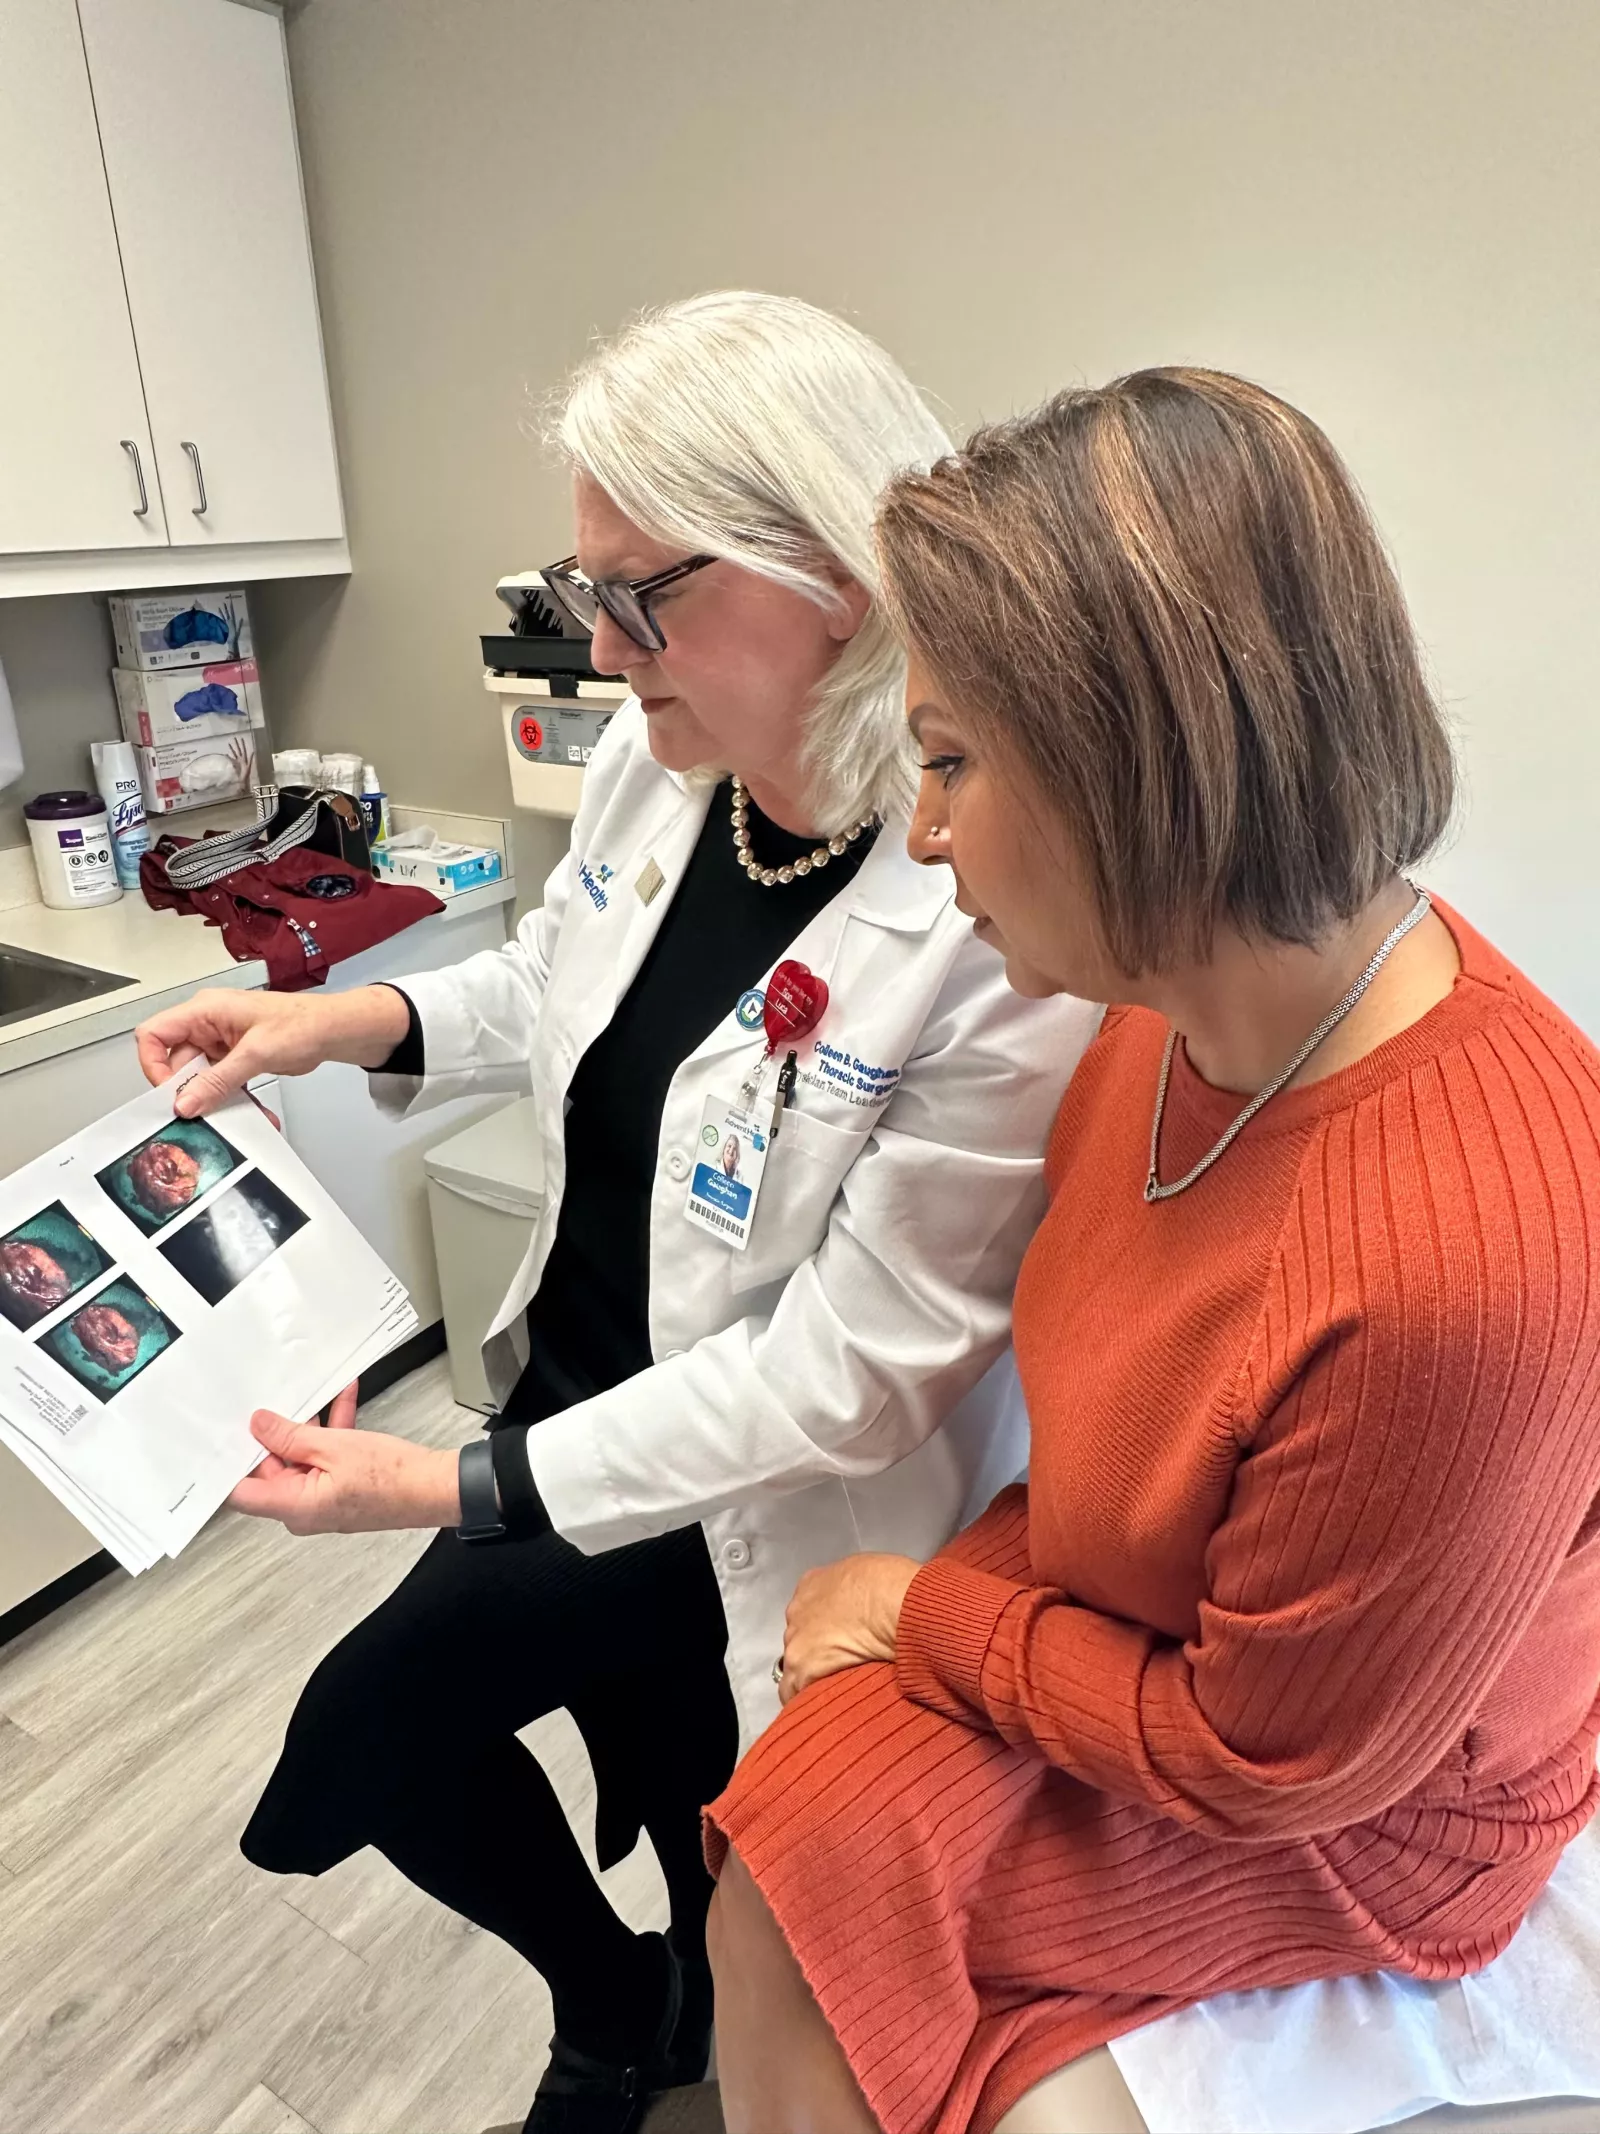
{"x": 70, "y": 392}
{"x": 158, "y": 320}
{"x": 197, "y": 129}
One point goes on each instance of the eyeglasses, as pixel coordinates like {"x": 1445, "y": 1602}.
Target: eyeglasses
{"x": 625, "y": 600}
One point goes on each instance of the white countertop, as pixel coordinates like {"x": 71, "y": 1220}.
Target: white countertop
{"x": 165, "y": 956}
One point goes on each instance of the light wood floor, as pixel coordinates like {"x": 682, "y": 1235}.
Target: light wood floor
{"x": 151, "y": 1981}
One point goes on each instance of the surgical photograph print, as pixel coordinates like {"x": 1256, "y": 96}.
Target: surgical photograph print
{"x": 110, "y": 1340}
{"x": 43, "y": 1262}
{"x": 162, "y": 1176}
{"x": 230, "y": 1239}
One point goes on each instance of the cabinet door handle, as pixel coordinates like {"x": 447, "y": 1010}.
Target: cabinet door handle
{"x": 199, "y": 477}
{"x": 142, "y": 509}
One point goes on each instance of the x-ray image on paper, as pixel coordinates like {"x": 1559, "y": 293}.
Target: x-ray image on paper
{"x": 231, "y": 1238}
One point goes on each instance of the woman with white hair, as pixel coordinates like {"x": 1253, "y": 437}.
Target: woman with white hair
{"x": 713, "y": 1377}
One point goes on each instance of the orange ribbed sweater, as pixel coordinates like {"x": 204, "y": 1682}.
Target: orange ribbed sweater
{"x": 1316, "y": 1444}
{"x": 1286, "y": 1663}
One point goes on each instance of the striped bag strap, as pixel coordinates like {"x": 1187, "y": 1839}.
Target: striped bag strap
{"x": 201, "y": 864}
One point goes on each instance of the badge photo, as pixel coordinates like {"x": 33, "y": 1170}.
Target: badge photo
{"x": 729, "y": 1161}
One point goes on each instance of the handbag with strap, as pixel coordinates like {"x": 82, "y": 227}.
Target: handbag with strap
{"x": 331, "y": 823}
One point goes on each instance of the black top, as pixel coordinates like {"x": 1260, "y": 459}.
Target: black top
{"x": 588, "y": 1322}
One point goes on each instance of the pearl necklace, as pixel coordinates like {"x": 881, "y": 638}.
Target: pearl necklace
{"x": 767, "y": 876}
{"x": 1153, "y": 1188}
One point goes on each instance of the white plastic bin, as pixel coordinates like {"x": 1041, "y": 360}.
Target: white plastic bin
{"x": 485, "y": 1190}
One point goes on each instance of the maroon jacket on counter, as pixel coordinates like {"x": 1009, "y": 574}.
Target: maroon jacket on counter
{"x": 300, "y": 914}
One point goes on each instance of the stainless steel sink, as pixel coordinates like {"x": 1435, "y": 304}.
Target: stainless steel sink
{"x": 34, "y": 985}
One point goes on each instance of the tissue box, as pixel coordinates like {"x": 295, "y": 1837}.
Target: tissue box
{"x": 185, "y": 629}
{"x": 161, "y": 708}
{"x": 445, "y": 869}
{"x": 194, "y": 773}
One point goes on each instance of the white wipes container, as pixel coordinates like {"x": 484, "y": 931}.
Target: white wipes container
{"x": 485, "y": 1190}
{"x": 71, "y": 838}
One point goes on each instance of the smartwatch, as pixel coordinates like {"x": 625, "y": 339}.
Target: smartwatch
{"x": 481, "y": 1516}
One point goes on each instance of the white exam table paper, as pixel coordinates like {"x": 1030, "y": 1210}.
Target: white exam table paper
{"x": 1341, "y": 2055}
{"x": 253, "y": 1291}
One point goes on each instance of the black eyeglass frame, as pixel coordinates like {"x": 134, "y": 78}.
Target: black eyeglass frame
{"x": 625, "y": 600}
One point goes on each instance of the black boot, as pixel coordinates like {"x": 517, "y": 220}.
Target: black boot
{"x": 579, "y": 2094}
{"x": 689, "y": 2053}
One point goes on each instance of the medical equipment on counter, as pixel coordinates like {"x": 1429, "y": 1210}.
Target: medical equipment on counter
{"x": 116, "y": 777}
{"x": 70, "y": 833}
{"x": 181, "y": 629}
{"x": 374, "y": 805}
{"x": 423, "y": 857}
{"x": 193, "y": 774}
{"x": 553, "y": 705}
{"x": 341, "y": 773}
{"x": 158, "y": 709}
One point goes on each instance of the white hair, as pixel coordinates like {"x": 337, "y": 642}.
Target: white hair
{"x": 761, "y": 429}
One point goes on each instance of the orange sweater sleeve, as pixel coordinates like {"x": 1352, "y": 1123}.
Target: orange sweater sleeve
{"x": 1420, "y": 1460}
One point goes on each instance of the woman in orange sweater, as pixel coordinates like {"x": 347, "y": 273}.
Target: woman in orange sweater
{"x": 1286, "y": 1660}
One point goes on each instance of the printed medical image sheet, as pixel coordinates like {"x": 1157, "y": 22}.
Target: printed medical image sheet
{"x": 160, "y": 1280}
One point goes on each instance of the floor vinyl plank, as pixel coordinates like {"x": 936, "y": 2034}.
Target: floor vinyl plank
{"x": 262, "y": 2113}
{"x": 351, "y": 2067}
{"x": 488, "y": 2077}
{"x": 146, "y": 2038}
{"x": 23, "y": 1763}
{"x": 151, "y": 1981}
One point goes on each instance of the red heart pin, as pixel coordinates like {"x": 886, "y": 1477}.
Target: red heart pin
{"x": 797, "y": 1000}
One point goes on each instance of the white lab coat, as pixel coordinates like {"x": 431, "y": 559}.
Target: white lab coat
{"x": 819, "y": 1392}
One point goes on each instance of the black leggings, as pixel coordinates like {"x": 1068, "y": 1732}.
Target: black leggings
{"x": 405, "y": 1738}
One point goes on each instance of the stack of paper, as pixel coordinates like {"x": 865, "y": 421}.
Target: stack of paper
{"x": 160, "y": 1280}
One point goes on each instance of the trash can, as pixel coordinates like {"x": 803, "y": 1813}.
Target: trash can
{"x": 485, "y": 1190}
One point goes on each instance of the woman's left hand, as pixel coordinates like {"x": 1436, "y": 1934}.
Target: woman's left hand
{"x": 842, "y": 1615}
{"x": 341, "y": 1480}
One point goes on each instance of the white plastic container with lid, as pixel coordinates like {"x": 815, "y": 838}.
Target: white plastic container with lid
{"x": 71, "y": 838}
{"x": 485, "y": 1190}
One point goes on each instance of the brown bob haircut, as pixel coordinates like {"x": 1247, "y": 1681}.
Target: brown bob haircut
{"x": 1166, "y": 603}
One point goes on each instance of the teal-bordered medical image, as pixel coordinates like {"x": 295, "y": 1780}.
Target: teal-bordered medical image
{"x": 110, "y": 1340}
{"x": 43, "y": 1262}
{"x": 162, "y": 1176}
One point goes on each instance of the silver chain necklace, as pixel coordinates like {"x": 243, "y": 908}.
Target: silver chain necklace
{"x": 767, "y": 876}
{"x": 1153, "y": 1188}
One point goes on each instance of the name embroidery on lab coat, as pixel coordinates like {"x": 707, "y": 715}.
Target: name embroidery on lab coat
{"x": 843, "y": 1075}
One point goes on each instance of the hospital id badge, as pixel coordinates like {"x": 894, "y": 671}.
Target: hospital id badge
{"x": 730, "y": 1156}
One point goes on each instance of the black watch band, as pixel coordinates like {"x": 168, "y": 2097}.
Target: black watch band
{"x": 520, "y": 1503}
{"x": 481, "y": 1517}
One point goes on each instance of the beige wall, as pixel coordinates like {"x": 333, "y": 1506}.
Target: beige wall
{"x": 1384, "y": 209}
{"x": 57, "y": 654}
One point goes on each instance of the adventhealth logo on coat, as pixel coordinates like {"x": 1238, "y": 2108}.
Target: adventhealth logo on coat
{"x": 587, "y": 878}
